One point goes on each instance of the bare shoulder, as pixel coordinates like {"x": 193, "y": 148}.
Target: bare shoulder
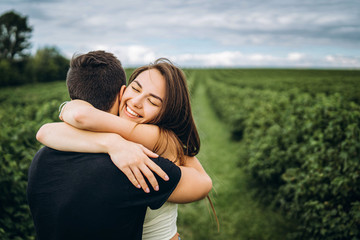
{"x": 168, "y": 146}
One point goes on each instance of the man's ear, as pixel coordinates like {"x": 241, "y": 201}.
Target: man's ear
{"x": 122, "y": 90}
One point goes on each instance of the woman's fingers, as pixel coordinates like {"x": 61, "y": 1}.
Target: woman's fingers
{"x": 153, "y": 166}
{"x": 156, "y": 169}
{"x": 137, "y": 166}
{"x": 140, "y": 179}
{"x": 149, "y": 153}
{"x": 150, "y": 177}
{"x": 129, "y": 174}
{"x": 144, "y": 171}
{"x": 148, "y": 170}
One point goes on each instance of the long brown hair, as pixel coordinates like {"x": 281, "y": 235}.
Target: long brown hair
{"x": 175, "y": 119}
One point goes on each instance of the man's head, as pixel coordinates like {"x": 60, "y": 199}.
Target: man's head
{"x": 96, "y": 77}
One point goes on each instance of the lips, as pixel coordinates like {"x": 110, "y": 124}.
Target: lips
{"x": 130, "y": 112}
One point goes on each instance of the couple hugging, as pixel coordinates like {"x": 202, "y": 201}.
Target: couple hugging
{"x": 122, "y": 158}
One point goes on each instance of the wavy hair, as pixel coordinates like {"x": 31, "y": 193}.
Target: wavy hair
{"x": 175, "y": 119}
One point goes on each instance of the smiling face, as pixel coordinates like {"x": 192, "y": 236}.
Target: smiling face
{"x": 158, "y": 94}
{"x": 143, "y": 99}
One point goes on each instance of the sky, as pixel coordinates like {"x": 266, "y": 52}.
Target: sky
{"x": 201, "y": 33}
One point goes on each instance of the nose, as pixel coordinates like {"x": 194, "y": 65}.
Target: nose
{"x": 137, "y": 101}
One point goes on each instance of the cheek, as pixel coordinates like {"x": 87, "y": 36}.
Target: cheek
{"x": 124, "y": 98}
{"x": 125, "y": 95}
{"x": 122, "y": 104}
{"x": 153, "y": 112}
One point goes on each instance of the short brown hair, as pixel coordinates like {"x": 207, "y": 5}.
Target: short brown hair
{"x": 95, "y": 77}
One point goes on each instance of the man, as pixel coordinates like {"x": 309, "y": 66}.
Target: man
{"x": 84, "y": 195}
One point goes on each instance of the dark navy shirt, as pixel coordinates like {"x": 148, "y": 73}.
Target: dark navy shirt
{"x": 85, "y": 196}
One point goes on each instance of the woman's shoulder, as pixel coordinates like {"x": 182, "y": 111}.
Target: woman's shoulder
{"x": 168, "y": 146}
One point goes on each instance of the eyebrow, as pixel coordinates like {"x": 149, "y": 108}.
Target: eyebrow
{"x": 153, "y": 95}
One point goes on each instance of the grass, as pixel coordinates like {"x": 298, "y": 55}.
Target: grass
{"x": 34, "y": 94}
{"x": 240, "y": 215}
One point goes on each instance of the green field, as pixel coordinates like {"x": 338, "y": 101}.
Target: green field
{"x": 282, "y": 148}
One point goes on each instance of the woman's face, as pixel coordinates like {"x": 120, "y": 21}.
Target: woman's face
{"x": 143, "y": 98}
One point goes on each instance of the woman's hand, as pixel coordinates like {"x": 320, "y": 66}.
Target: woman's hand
{"x": 135, "y": 163}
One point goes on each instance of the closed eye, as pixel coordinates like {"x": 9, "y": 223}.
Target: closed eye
{"x": 153, "y": 103}
{"x": 135, "y": 89}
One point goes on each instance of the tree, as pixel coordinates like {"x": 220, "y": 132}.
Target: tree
{"x": 49, "y": 65}
{"x": 15, "y": 33}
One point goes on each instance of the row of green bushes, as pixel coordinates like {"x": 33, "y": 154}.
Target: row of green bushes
{"x": 46, "y": 65}
{"x": 303, "y": 154}
{"x": 345, "y": 82}
{"x": 22, "y": 111}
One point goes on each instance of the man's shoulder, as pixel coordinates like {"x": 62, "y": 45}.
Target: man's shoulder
{"x": 47, "y": 151}
{"x": 166, "y": 164}
{"x": 49, "y": 163}
{"x": 169, "y": 167}
{"x": 49, "y": 157}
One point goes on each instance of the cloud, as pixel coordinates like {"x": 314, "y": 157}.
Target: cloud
{"x": 225, "y": 59}
{"x": 133, "y": 55}
{"x": 238, "y": 59}
{"x": 295, "y": 56}
{"x": 138, "y": 55}
{"x": 224, "y": 33}
{"x": 342, "y": 61}
{"x": 211, "y": 59}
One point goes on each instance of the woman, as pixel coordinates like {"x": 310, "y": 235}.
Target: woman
{"x": 155, "y": 112}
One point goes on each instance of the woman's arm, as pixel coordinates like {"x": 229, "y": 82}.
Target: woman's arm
{"x": 63, "y": 137}
{"x": 195, "y": 183}
{"x": 83, "y": 115}
{"x": 131, "y": 158}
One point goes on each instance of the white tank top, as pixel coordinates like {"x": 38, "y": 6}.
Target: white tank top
{"x": 160, "y": 224}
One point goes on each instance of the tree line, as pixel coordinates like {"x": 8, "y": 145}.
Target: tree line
{"x": 17, "y": 65}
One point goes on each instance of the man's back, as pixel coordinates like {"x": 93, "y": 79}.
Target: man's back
{"x": 84, "y": 196}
